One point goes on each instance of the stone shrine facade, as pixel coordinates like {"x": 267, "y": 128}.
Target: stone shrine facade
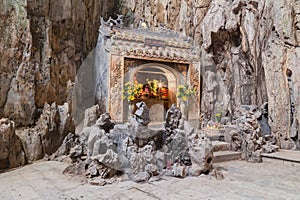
{"x": 139, "y": 55}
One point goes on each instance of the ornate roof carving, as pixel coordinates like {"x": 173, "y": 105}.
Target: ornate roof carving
{"x": 153, "y": 42}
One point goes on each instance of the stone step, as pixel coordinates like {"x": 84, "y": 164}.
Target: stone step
{"x": 283, "y": 157}
{"x": 223, "y": 156}
{"x": 214, "y": 134}
{"x": 221, "y": 146}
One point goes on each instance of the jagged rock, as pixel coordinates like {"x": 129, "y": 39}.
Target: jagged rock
{"x": 76, "y": 152}
{"x": 67, "y": 144}
{"x": 77, "y": 168}
{"x": 270, "y": 148}
{"x": 263, "y": 120}
{"x": 98, "y": 142}
{"x": 11, "y": 151}
{"x": 111, "y": 159}
{"x": 137, "y": 162}
{"x": 173, "y": 118}
{"x": 93, "y": 169}
{"x": 37, "y": 63}
{"x": 97, "y": 181}
{"x": 140, "y": 152}
{"x": 91, "y": 115}
{"x": 54, "y": 124}
{"x": 177, "y": 171}
{"x": 201, "y": 154}
{"x": 184, "y": 158}
{"x": 151, "y": 169}
{"x": 253, "y": 46}
{"x": 247, "y": 136}
{"x": 160, "y": 158}
{"x": 217, "y": 174}
{"x": 105, "y": 122}
{"x": 141, "y": 177}
{"x": 66, "y": 123}
{"x": 142, "y": 115}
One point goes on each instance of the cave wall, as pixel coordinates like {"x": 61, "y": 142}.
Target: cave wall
{"x": 44, "y": 43}
{"x": 250, "y": 52}
{"x": 247, "y": 48}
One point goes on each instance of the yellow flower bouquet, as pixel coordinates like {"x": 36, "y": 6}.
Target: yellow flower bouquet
{"x": 184, "y": 91}
{"x": 132, "y": 91}
{"x": 153, "y": 85}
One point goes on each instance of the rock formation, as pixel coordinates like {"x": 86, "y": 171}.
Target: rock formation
{"x": 249, "y": 48}
{"x": 137, "y": 151}
{"x": 46, "y": 44}
{"x": 42, "y": 45}
{"x": 248, "y": 136}
{"x": 250, "y": 53}
{"x": 46, "y": 137}
{"x": 11, "y": 150}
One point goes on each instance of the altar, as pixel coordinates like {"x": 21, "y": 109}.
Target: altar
{"x": 157, "y": 108}
{"x": 141, "y": 55}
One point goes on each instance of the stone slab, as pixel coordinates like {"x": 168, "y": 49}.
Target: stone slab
{"x": 221, "y": 146}
{"x": 213, "y": 134}
{"x": 283, "y": 155}
{"x": 222, "y": 156}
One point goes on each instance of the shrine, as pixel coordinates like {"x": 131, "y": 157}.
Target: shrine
{"x": 146, "y": 64}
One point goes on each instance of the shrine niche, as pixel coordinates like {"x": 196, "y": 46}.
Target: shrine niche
{"x": 155, "y": 60}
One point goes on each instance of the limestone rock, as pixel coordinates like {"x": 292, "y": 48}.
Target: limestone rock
{"x": 76, "y": 152}
{"x": 141, "y": 177}
{"x": 54, "y": 124}
{"x": 98, "y": 142}
{"x": 77, "y": 168}
{"x": 201, "y": 155}
{"x": 46, "y": 44}
{"x": 244, "y": 38}
{"x": 217, "y": 174}
{"x": 91, "y": 115}
{"x": 67, "y": 144}
{"x": 105, "y": 122}
{"x": 97, "y": 181}
{"x": 177, "y": 171}
{"x": 11, "y": 150}
{"x": 142, "y": 114}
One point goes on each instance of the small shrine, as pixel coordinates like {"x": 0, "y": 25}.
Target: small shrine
{"x": 153, "y": 65}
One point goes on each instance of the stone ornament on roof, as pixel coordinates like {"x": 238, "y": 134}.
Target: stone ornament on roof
{"x": 149, "y": 42}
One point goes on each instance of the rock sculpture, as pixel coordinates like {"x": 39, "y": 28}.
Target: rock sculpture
{"x": 248, "y": 137}
{"x": 142, "y": 115}
{"x": 105, "y": 122}
{"x": 139, "y": 152}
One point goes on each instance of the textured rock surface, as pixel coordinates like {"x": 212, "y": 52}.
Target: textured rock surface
{"x": 53, "y": 125}
{"x": 134, "y": 150}
{"x": 250, "y": 55}
{"x": 11, "y": 150}
{"x": 247, "y": 49}
{"x": 43, "y": 44}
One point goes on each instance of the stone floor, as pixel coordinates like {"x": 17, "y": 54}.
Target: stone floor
{"x": 44, "y": 180}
